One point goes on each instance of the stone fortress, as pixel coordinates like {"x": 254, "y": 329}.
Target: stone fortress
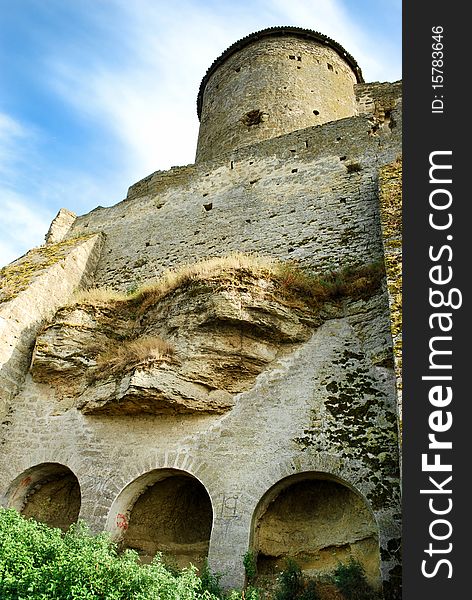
{"x": 221, "y": 409}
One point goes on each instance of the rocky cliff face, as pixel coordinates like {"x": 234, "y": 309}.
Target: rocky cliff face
{"x": 190, "y": 352}
{"x": 187, "y": 349}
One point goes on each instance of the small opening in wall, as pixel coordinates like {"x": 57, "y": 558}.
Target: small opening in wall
{"x": 353, "y": 167}
{"x": 390, "y": 120}
{"x": 248, "y": 220}
{"x": 251, "y": 162}
{"x": 291, "y": 56}
{"x": 291, "y": 250}
{"x": 306, "y": 143}
{"x": 253, "y": 117}
{"x": 231, "y": 165}
{"x": 171, "y": 514}
{"x": 338, "y": 139}
{"x": 293, "y": 150}
{"x": 330, "y": 67}
{"x": 238, "y": 69}
{"x": 299, "y": 58}
{"x": 298, "y": 67}
{"x": 147, "y": 244}
{"x": 343, "y": 200}
{"x": 208, "y": 206}
{"x": 294, "y": 170}
{"x": 342, "y": 157}
{"x": 316, "y": 112}
{"x": 205, "y": 194}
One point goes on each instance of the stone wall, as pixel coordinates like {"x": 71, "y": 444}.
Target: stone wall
{"x": 378, "y": 98}
{"x": 310, "y": 196}
{"x": 294, "y": 419}
{"x": 32, "y": 289}
{"x": 390, "y": 181}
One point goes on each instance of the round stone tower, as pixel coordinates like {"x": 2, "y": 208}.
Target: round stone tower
{"x": 272, "y": 82}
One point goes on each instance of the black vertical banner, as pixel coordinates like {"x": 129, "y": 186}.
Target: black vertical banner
{"x": 437, "y": 427}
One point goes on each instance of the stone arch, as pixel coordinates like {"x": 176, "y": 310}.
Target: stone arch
{"x": 318, "y": 520}
{"x": 164, "y": 510}
{"x": 49, "y": 493}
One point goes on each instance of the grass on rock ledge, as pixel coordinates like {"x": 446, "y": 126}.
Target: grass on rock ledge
{"x": 125, "y": 355}
{"x": 288, "y": 282}
{"x": 278, "y": 281}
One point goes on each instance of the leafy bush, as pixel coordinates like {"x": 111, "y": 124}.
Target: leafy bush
{"x": 293, "y": 585}
{"x": 250, "y": 567}
{"x": 41, "y": 563}
{"x": 211, "y": 581}
{"x": 249, "y": 594}
{"x": 350, "y": 579}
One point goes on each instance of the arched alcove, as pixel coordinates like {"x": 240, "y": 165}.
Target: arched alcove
{"x": 319, "y": 522}
{"x": 49, "y": 493}
{"x": 165, "y": 510}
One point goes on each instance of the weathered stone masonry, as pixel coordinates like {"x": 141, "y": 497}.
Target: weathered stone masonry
{"x": 281, "y": 434}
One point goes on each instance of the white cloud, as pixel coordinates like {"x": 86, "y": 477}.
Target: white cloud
{"x": 32, "y": 190}
{"x": 148, "y": 100}
{"x": 22, "y": 226}
{"x": 142, "y": 98}
{"x": 12, "y": 134}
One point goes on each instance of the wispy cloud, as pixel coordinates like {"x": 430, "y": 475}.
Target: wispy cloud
{"x": 148, "y": 99}
{"x": 13, "y": 137}
{"x": 22, "y": 225}
{"x": 32, "y": 190}
{"x": 127, "y": 75}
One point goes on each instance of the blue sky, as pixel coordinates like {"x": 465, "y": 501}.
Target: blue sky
{"x": 96, "y": 94}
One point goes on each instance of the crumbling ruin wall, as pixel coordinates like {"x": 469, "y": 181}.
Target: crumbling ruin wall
{"x": 32, "y": 288}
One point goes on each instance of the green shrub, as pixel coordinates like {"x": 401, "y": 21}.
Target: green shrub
{"x": 250, "y": 593}
{"x": 250, "y": 565}
{"x": 41, "y": 563}
{"x": 293, "y": 585}
{"x": 350, "y": 579}
{"x": 210, "y": 582}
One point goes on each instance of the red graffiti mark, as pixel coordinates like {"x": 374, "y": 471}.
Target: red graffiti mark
{"x": 121, "y": 521}
{"x": 26, "y": 481}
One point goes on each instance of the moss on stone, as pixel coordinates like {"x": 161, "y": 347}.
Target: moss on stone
{"x": 17, "y": 276}
{"x": 352, "y": 403}
{"x": 390, "y": 196}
